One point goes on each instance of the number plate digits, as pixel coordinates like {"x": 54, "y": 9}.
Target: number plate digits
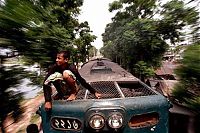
{"x": 65, "y": 123}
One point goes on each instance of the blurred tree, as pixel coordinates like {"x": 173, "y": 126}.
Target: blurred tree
{"x": 10, "y": 100}
{"x": 39, "y": 29}
{"x": 188, "y": 89}
{"x": 137, "y": 34}
{"x": 92, "y": 51}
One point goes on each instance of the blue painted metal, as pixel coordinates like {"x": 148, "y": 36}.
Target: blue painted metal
{"x": 130, "y": 106}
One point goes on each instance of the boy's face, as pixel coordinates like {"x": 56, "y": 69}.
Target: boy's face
{"x": 60, "y": 59}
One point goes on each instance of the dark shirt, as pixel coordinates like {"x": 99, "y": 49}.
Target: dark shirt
{"x": 72, "y": 68}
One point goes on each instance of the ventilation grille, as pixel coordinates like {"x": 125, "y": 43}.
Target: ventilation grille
{"x": 108, "y": 90}
{"x": 143, "y": 91}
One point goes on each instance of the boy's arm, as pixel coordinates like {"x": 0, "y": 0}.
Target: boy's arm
{"x": 47, "y": 96}
{"x": 82, "y": 80}
{"x": 47, "y": 91}
{"x": 88, "y": 86}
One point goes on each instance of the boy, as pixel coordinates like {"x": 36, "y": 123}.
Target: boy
{"x": 63, "y": 71}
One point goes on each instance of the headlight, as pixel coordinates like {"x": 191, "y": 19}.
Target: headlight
{"x": 96, "y": 121}
{"x": 115, "y": 120}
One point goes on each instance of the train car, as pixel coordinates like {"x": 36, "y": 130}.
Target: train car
{"x": 127, "y": 105}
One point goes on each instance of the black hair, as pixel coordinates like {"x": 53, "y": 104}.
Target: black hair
{"x": 32, "y": 128}
{"x": 66, "y": 54}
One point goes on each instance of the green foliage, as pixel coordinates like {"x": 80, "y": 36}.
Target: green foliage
{"x": 39, "y": 29}
{"x": 136, "y": 34}
{"x": 190, "y": 68}
{"x": 83, "y": 43}
{"x": 176, "y": 16}
{"x": 188, "y": 90}
{"x": 109, "y": 51}
{"x": 92, "y": 51}
{"x": 115, "y": 5}
{"x": 142, "y": 70}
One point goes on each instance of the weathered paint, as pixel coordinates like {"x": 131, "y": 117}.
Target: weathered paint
{"x": 131, "y": 106}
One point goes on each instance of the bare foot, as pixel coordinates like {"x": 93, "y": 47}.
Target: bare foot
{"x": 71, "y": 97}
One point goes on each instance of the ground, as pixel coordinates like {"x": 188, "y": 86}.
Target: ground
{"x": 31, "y": 107}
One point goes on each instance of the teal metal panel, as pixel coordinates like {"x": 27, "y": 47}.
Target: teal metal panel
{"x": 131, "y": 106}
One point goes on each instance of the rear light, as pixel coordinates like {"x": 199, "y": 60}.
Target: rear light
{"x": 115, "y": 120}
{"x": 96, "y": 121}
{"x": 144, "y": 120}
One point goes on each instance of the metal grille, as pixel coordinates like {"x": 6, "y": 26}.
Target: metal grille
{"x": 81, "y": 93}
{"x": 109, "y": 90}
{"x": 106, "y": 88}
{"x": 135, "y": 92}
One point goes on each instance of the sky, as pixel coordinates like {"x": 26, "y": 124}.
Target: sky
{"x": 97, "y": 14}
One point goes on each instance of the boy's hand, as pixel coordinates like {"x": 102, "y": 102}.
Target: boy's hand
{"x": 97, "y": 95}
{"x": 48, "y": 106}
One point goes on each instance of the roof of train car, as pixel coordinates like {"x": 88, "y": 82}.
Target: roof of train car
{"x": 104, "y": 70}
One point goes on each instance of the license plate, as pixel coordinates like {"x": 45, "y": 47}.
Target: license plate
{"x": 65, "y": 123}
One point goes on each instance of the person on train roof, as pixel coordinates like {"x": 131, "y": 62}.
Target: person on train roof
{"x": 64, "y": 77}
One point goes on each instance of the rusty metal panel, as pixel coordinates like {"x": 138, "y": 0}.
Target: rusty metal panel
{"x": 142, "y": 91}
